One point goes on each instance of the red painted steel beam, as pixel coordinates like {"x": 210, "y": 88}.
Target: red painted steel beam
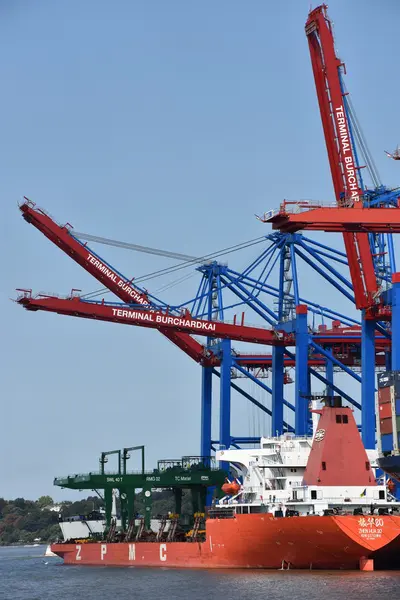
{"x": 75, "y": 307}
{"x": 326, "y": 340}
{"x": 338, "y": 219}
{"x": 266, "y": 362}
{"x": 121, "y": 287}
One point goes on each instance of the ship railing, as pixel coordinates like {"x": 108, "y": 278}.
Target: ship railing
{"x": 345, "y": 501}
{"x": 220, "y": 512}
{"x": 234, "y": 499}
{"x": 285, "y": 436}
{"x": 239, "y": 498}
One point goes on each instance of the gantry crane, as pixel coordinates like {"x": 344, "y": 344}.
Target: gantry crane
{"x": 367, "y": 248}
{"x": 367, "y": 218}
{"x": 141, "y": 308}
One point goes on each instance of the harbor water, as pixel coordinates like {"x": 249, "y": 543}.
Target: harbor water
{"x": 26, "y": 574}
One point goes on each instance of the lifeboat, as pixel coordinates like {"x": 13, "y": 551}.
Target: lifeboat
{"x": 230, "y": 488}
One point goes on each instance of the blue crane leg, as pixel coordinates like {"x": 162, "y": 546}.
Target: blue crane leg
{"x": 368, "y": 383}
{"x": 225, "y": 398}
{"x": 206, "y": 403}
{"x": 302, "y": 379}
{"x": 329, "y": 375}
{"x": 396, "y": 321}
{"x": 277, "y": 390}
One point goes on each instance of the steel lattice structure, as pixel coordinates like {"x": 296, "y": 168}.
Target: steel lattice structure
{"x": 315, "y": 340}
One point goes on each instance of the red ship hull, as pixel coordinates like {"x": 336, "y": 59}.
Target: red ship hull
{"x": 258, "y": 541}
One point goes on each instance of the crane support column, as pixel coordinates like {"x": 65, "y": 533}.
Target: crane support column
{"x": 108, "y": 499}
{"x": 368, "y": 382}
{"x": 131, "y": 504}
{"x": 302, "y": 388}
{"x": 225, "y": 396}
{"x": 206, "y": 406}
{"x": 388, "y": 360}
{"x": 329, "y": 374}
{"x": 396, "y": 322}
{"x": 277, "y": 390}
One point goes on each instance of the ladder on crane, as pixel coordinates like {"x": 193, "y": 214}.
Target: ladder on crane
{"x": 161, "y": 530}
{"x": 112, "y": 530}
{"x": 140, "y": 529}
{"x": 172, "y": 528}
{"x": 130, "y": 530}
{"x": 198, "y": 518}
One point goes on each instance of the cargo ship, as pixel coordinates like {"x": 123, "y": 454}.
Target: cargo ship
{"x": 293, "y": 503}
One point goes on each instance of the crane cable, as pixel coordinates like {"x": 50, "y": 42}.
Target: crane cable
{"x": 127, "y": 246}
{"x": 173, "y": 283}
{"x": 183, "y": 265}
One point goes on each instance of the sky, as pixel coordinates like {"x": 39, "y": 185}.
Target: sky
{"x": 166, "y": 124}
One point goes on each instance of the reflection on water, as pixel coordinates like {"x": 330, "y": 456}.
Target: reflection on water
{"x": 25, "y": 574}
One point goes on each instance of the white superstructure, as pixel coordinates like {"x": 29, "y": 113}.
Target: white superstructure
{"x": 272, "y": 480}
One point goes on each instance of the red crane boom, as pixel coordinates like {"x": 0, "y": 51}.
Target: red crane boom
{"x": 119, "y": 285}
{"x": 76, "y": 307}
{"x": 345, "y": 176}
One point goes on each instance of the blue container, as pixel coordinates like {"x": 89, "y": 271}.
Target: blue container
{"x": 397, "y": 406}
{"x": 387, "y": 442}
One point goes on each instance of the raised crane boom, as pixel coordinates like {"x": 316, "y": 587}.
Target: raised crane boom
{"x": 341, "y": 150}
{"x": 109, "y": 277}
{"x": 125, "y": 314}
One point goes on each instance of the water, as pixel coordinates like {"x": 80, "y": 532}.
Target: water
{"x": 26, "y": 575}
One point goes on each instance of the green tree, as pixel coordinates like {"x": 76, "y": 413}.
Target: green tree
{"x": 3, "y": 504}
{"x": 44, "y": 501}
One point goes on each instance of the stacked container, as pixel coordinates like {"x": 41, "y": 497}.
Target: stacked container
{"x": 388, "y": 412}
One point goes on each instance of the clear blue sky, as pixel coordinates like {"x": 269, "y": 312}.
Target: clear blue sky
{"x": 167, "y": 124}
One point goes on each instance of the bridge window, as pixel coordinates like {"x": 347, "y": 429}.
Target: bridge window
{"x": 342, "y": 419}
{"x": 313, "y": 494}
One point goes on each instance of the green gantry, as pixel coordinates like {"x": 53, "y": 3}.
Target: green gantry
{"x": 196, "y": 473}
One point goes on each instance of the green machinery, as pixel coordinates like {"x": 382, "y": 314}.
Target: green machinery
{"x": 196, "y": 473}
